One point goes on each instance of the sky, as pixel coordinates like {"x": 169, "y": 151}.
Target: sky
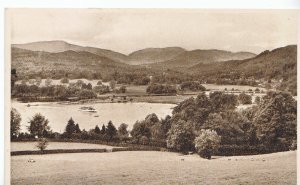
{"x": 128, "y": 30}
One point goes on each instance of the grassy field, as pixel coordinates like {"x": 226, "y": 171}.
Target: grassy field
{"x": 153, "y": 168}
{"x": 20, "y": 146}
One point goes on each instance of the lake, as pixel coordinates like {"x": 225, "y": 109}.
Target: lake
{"x": 59, "y": 114}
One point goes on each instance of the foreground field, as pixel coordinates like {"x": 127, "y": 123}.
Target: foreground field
{"x": 21, "y": 146}
{"x": 153, "y": 168}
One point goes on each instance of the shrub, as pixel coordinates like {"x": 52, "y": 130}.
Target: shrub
{"x": 64, "y": 80}
{"x": 257, "y": 100}
{"x": 122, "y": 89}
{"x": 161, "y": 89}
{"x": 207, "y": 143}
{"x": 144, "y": 140}
{"x": 193, "y": 86}
{"x": 42, "y": 144}
{"x": 48, "y": 82}
{"x": 244, "y": 98}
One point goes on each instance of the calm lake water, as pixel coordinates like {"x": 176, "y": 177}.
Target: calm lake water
{"x": 58, "y": 114}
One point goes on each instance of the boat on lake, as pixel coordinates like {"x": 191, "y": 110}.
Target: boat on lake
{"x": 87, "y": 109}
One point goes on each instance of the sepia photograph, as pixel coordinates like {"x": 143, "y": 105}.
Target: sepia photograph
{"x": 151, "y": 96}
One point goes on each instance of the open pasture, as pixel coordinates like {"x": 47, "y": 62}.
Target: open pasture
{"x": 153, "y": 168}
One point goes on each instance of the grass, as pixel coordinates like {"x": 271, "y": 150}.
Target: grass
{"x": 20, "y": 146}
{"x": 153, "y": 168}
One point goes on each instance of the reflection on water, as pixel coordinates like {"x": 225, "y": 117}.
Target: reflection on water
{"x": 58, "y": 114}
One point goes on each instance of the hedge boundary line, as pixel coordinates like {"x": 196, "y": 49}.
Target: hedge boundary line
{"x": 61, "y": 151}
{"x": 57, "y": 151}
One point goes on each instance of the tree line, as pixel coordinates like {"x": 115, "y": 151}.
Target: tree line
{"x": 39, "y": 128}
{"x": 207, "y": 125}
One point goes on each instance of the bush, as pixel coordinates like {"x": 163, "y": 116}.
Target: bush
{"x": 257, "y": 100}
{"x": 101, "y": 89}
{"x": 161, "y": 89}
{"x": 207, "y": 143}
{"x": 64, "y": 80}
{"x": 42, "y": 144}
{"x": 191, "y": 85}
{"x": 244, "y": 98}
{"x": 144, "y": 140}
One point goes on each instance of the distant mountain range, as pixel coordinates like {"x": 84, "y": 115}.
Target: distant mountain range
{"x": 58, "y": 58}
{"x": 170, "y": 56}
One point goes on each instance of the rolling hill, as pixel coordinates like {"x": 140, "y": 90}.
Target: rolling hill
{"x": 190, "y": 58}
{"x": 46, "y": 64}
{"x": 154, "y": 55}
{"x": 279, "y": 64}
{"x": 169, "y": 56}
{"x": 61, "y": 46}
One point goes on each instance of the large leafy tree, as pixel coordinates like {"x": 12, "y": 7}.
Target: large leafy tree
{"x": 38, "y": 125}
{"x": 180, "y": 137}
{"x": 15, "y": 120}
{"x": 139, "y": 130}
{"x": 233, "y": 127}
{"x": 221, "y": 101}
{"x": 276, "y": 120}
{"x": 123, "y": 132}
{"x": 207, "y": 143}
{"x": 193, "y": 110}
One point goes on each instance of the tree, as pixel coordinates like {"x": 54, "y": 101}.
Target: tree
{"x": 192, "y": 85}
{"x": 244, "y": 98}
{"x": 38, "y": 81}
{"x": 79, "y": 83}
{"x": 232, "y": 126}
{"x": 89, "y": 86}
{"x": 48, "y": 82}
{"x": 123, "y": 132}
{"x": 221, "y": 101}
{"x": 15, "y": 120}
{"x": 97, "y": 130}
{"x": 42, "y": 144}
{"x": 257, "y": 100}
{"x": 87, "y": 94}
{"x": 139, "y": 130}
{"x": 71, "y": 127}
{"x": 77, "y": 129}
{"x": 112, "y": 84}
{"x": 64, "y": 80}
{"x": 276, "y": 121}
{"x": 144, "y": 140}
{"x": 180, "y": 137}
{"x": 38, "y": 124}
{"x": 207, "y": 143}
{"x": 122, "y": 89}
{"x": 111, "y": 131}
{"x": 103, "y": 130}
